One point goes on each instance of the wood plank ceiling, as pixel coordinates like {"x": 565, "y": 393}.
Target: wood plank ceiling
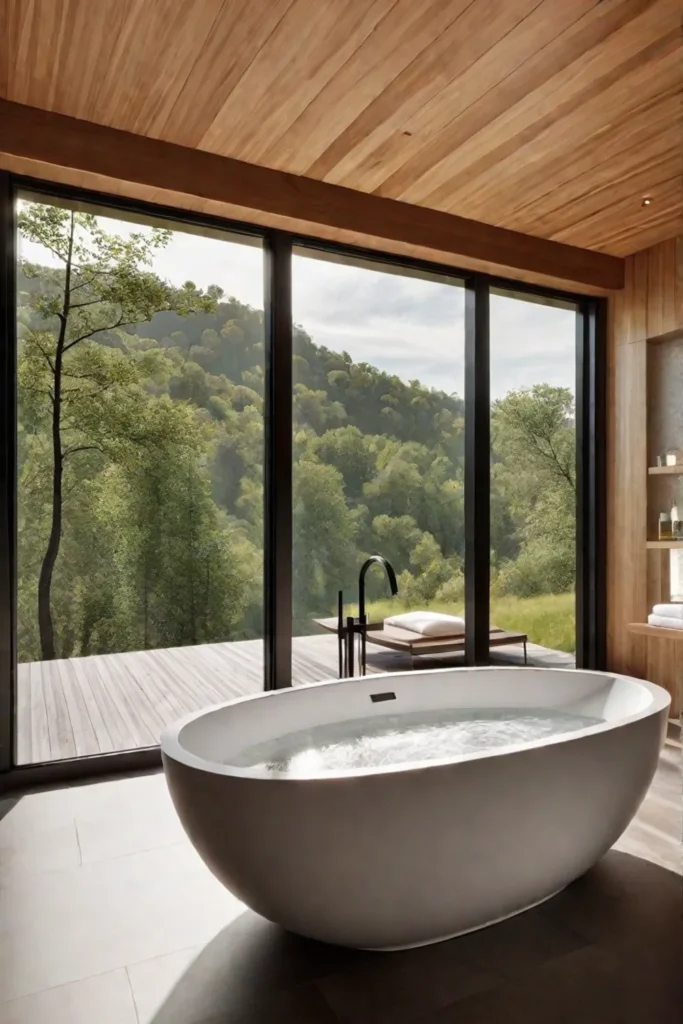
{"x": 550, "y": 117}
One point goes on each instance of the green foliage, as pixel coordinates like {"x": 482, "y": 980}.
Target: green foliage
{"x": 162, "y": 450}
{"x": 548, "y": 620}
{"x": 534, "y": 492}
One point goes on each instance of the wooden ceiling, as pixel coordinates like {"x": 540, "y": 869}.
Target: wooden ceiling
{"x": 549, "y": 117}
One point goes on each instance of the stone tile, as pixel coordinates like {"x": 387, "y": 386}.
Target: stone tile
{"x": 594, "y": 987}
{"x": 395, "y": 987}
{"x": 520, "y": 943}
{"x": 622, "y": 900}
{"x": 487, "y": 1008}
{"x": 128, "y": 817}
{"x": 46, "y": 850}
{"x": 62, "y": 926}
{"x": 153, "y": 983}
{"x": 30, "y": 815}
{"x": 250, "y": 972}
{"x": 104, "y": 999}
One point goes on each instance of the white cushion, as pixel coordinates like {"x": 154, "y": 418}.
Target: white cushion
{"x": 428, "y": 623}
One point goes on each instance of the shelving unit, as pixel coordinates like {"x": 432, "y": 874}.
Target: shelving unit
{"x": 665, "y": 470}
{"x": 662, "y": 648}
{"x": 645, "y": 629}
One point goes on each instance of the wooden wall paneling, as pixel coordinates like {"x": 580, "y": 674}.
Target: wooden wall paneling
{"x": 589, "y": 198}
{"x": 626, "y": 495}
{"x": 474, "y": 107}
{"x": 485, "y": 46}
{"x": 409, "y": 33}
{"x": 655, "y": 292}
{"x": 676, "y": 320}
{"x": 664, "y": 666}
{"x": 194, "y": 204}
{"x": 637, "y": 312}
{"x": 645, "y": 414}
{"x": 80, "y": 145}
{"x": 624, "y": 147}
{"x": 475, "y": 129}
{"x": 668, "y": 267}
{"x": 275, "y": 90}
{"x": 562, "y": 111}
{"x": 658, "y": 576}
{"x": 665, "y": 281}
{"x": 625, "y": 209}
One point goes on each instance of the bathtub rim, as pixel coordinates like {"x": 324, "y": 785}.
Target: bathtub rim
{"x": 171, "y": 747}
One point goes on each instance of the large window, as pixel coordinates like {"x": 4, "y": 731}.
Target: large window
{"x": 162, "y": 539}
{"x": 378, "y": 447}
{"x": 533, "y": 475}
{"x": 140, "y": 455}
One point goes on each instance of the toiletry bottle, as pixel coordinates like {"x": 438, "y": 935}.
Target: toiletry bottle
{"x": 664, "y": 526}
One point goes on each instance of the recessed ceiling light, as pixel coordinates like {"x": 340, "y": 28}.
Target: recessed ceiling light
{"x": 647, "y": 200}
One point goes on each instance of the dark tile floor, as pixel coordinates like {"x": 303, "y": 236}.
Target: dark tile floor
{"x": 107, "y": 916}
{"x": 606, "y": 951}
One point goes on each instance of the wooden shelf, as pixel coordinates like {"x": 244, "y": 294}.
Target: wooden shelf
{"x": 661, "y": 545}
{"x": 676, "y": 470}
{"x": 662, "y": 632}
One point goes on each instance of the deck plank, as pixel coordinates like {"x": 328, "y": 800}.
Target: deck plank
{"x": 100, "y": 721}
{"x": 85, "y": 738}
{"x": 134, "y": 729}
{"x": 40, "y": 740}
{"x": 59, "y": 728}
{"x": 23, "y": 712}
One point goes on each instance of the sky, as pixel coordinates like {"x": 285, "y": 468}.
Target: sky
{"x": 405, "y": 325}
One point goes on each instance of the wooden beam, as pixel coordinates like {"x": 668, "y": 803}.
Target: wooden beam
{"x": 66, "y": 142}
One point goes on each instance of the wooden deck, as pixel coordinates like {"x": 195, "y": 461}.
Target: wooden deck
{"x": 79, "y": 706}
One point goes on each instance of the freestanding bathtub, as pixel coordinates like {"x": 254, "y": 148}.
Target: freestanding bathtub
{"x": 394, "y": 855}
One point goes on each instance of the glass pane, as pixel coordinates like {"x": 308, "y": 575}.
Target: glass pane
{"x": 140, "y": 477}
{"x": 533, "y": 479}
{"x": 378, "y": 454}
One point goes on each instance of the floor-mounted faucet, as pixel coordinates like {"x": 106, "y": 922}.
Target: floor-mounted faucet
{"x": 362, "y": 619}
{"x": 347, "y": 629}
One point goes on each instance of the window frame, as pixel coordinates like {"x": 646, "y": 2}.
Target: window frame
{"x": 278, "y": 469}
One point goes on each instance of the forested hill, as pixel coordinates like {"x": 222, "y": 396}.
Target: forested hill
{"x": 162, "y": 455}
{"x": 331, "y": 388}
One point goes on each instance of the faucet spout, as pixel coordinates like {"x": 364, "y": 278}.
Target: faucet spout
{"x": 362, "y": 623}
{"x": 391, "y": 575}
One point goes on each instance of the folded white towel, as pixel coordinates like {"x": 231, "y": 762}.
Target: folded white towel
{"x": 430, "y": 623}
{"x": 670, "y": 611}
{"x": 669, "y": 622}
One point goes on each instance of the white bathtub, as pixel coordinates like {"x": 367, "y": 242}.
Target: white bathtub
{"x": 404, "y": 855}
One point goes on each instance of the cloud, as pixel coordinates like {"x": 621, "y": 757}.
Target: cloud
{"x": 403, "y": 324}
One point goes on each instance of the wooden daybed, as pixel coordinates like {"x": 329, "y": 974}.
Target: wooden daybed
{"x": 414, "y": 644}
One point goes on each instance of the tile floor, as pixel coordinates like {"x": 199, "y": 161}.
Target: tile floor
{"x": 107, "y": 916}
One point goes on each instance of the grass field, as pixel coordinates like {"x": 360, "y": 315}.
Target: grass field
{"x": 547, "y": 620}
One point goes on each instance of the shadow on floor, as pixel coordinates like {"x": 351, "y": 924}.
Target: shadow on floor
{"x": 605, "y": 951}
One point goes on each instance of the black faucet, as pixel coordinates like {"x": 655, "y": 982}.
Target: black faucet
{"x": 362, "y": 620}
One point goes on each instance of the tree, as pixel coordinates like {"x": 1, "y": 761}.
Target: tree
{"x": 101, "y": 284}
{"x": 535, "y": 428}
{"x": 325, "y": 555}
{"x": 535, "y": 490}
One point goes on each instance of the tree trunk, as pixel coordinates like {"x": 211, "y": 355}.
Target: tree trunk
{"x": 47, "y": 634}
{"x": 45, "y": 624}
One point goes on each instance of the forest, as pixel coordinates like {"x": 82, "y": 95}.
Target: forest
{"x": 140, "y": 440}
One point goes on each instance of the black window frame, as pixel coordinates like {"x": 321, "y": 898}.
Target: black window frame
{"x": 277, "y": 248}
